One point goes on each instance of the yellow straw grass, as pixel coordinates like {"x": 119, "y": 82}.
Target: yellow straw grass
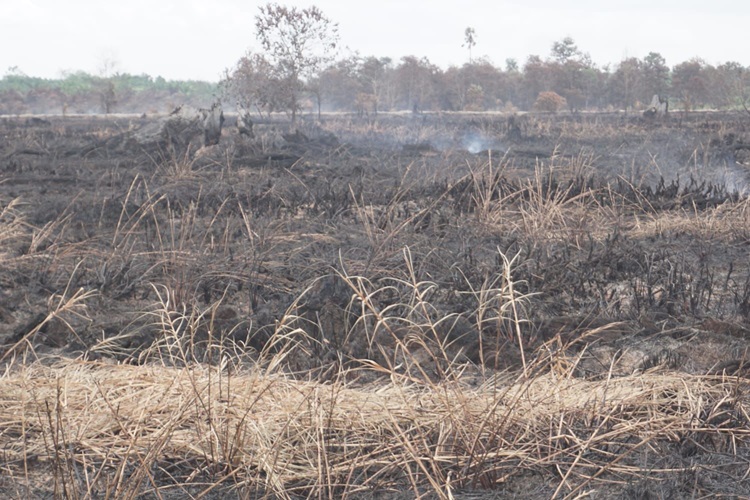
{"x": 277, "y": 434}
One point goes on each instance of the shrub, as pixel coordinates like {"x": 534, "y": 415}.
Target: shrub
{"x": 550, "y": 102}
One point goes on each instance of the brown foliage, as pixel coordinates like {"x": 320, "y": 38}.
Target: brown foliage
{"x": 550, "y": 102}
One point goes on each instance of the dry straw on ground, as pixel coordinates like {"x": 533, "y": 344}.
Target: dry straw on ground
{"x": 119, "y": 431}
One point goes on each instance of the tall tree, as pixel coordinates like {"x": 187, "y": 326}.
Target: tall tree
{"x": 570, "y": 68}
{"x": 655, "y": 75}
{"x": 470, "y": 40}
{"x": 298, "y": 43}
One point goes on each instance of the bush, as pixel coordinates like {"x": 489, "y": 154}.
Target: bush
{"x": 550, "y": 102}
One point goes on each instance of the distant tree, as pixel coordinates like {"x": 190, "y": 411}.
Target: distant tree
{"x": 14, "y": 71}
{"x": 626, "y": 84}
{"x": 375, "y": 76}
{"x": 564, "y": 50}
{"x": 511, "y": 89}
{"x": 484, "y": 75}
{"x": 109, "y": 64}
{"x": 416, "y": 81}
{"x": 108, "y": 71}
{"x": 297, "y": 43}
{"x": 12, "y": 102}
{"x": 595, "y": 83}
{"x": 254, "y": 85}
{"x": 511, "y": 65}
{"x": 475, "y": 98}
{"x": 470, "y": 40}
{"x": 572, "y": 72}
{"x": 453, "y": 89}
{"x": 730, "y": 86}
{"x": 472, "y": 87}
{"x": 82, "y": 92}
{"x": 365, "y": 104}
{"x": 537, "y": 78}
{"x": 550, "y": 102}
{"x": 690, "y": 83}
{"x": 339, "y": 83}
{"x": 107, "y": 95}
{"x": 656, "y": 78}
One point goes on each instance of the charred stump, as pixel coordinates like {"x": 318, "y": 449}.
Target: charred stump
{"x": 213, "y": 120}
{"x": 244, "y": 123}
{"x": 658, "y": 108}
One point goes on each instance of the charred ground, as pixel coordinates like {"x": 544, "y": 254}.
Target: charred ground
{"x": 414, "y": 252}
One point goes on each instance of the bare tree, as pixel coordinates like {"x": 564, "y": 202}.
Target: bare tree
{"x": 298, "y": 43}
{"x": 108, "y": 70}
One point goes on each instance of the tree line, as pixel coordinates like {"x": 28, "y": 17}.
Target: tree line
{"x": 81, "y": 92}
{"x": 566, "y": 79}
{"x": 297, "y": 69}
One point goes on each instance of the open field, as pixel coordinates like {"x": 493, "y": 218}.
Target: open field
{"x": 435, "y": 306}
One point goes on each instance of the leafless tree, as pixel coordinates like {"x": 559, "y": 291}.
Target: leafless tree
{"x": 108, "y": 71}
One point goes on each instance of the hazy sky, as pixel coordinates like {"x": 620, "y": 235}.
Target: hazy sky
{"x": 198, "y": 39}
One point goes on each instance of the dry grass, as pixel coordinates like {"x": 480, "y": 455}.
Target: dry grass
{"x": 727, "y": 223}
{"x": 119, "y": 431}
{"x": 12, "y": 228}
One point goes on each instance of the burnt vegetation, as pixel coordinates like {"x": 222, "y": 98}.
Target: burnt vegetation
{"x": 537, "y": 305}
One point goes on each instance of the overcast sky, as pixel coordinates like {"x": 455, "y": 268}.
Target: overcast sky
{"x": 198, "y": 39}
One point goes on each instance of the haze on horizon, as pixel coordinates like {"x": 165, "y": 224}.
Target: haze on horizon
{"x": 195, "y": 40}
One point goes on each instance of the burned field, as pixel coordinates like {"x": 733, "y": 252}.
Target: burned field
{"x": 447, "y": 306}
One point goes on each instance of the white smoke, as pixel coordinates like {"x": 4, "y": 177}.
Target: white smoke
{"x": 474, "y": 142}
